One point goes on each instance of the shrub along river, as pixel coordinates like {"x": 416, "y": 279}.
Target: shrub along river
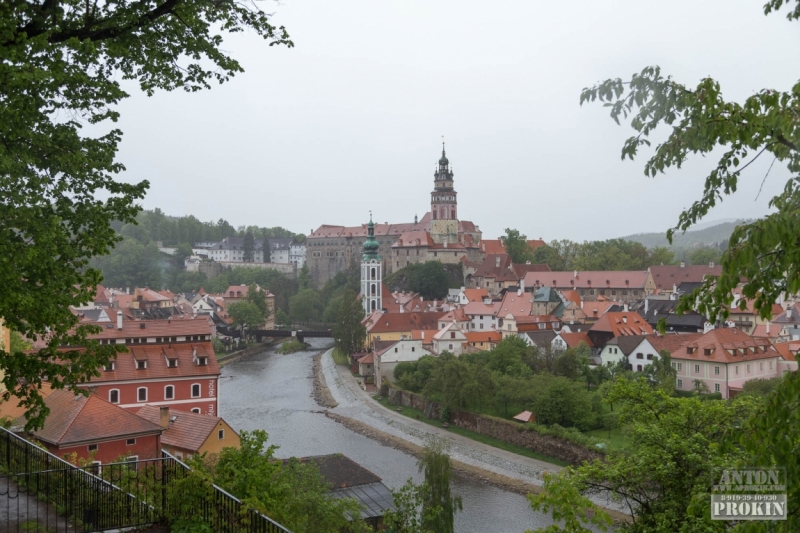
{"x": 274, "y": 392}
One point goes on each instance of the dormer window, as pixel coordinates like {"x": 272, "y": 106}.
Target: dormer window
{"x": 202, "y": 361}
{"x": 141, "y": 364}
{"x": 172, "y": 363}
{"x": 708, "y": 351}
{"x": 109, "y": 367}
{"x": 689, "y": 350}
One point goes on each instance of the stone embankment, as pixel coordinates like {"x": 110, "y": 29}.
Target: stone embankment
{"x": 321, "y": 392}
{"x": 499, "y": 429}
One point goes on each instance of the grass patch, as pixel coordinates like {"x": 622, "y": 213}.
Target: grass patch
{"x": 491, "y": 441}
{"x": 615, "y": 439}
{"x": 338, "y": 357}
{"x": 291, "y": 346}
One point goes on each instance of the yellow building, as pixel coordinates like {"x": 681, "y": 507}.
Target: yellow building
{"x": 187, "y": 434}
{"x": 398, "y": 326}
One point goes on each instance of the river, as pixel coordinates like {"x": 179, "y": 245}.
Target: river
{"x": 274, "y": 392}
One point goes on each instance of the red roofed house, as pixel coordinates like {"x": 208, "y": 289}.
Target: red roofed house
{"x": 724, "y": 359}
{"x": 169, "y": 362}
{"x": 398, "y": 326}
{"x": 617, "y": 324}
{"x": 450, "y": 339}
{"x": 621, "y": 285}
{"x": 668, "y": 278}
{"x": 187, "y": 434}
{"x": 482, "y": 340}
{"x": 81, "y": 425}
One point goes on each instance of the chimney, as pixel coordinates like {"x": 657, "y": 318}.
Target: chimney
{"x": 767, "y": 327}
{"x": 164, "y": 412}
{"x": 581, "y": 304}
{"x": 711, "y": 264}
{"x": 625, "y": 308}
{"x": 119, "y": 319}
{"x": 127, "y": 290}
{"x": 683, "y": 264}
{"x": 624, "y": 319}
{"x": 646, "y": 306}
{"x": 522, "y": 284}
{"x": 575, "y": 274}
{"x": 497, "y": 261}
{"x": 423, "y": 334}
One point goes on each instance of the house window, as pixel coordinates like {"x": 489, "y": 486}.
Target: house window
{"x": 196, "y": 390}
{"x": 202, "y": 361}
{"x": 141, "y": 393}
{"x": 639, "y": 368}
{"x": 109, "y": 367}
{"x": 761, "y": 366}
{"x": 737, "y": 368}
{"x": 680, "y": 383}
{"x": 452, "y": 335}
{"x": 639, "y": 356}
{"x": 141, "y": 365}
{"x": 716, "y": 371}
{"x": 624, "y": 293}
{"x": 169, "y": 392}
{"x": 770, "y": 365}
{"x": 412, "y": 348}
{"x": 696, "y": 368}
{"x": 130, "y": 442}
{"x": 221, "y": 434}
{"x": 649, "y": 357}
{"x": 748, "y": 369}
{"x": 113, "y": 396}
{"x": 395, "y": 350}
{"x": 172, "y": 363}
{"x": 716, "y": 387}
{"x": 591, "y": 292}
{"x": 680, "y": 366}
{"x": 92, "y": 447}
{"x": 674, "y": 365}
{"x": 450, "y": 346}
{"x": 636, "y": 293}
{"x": 196, "y": 410}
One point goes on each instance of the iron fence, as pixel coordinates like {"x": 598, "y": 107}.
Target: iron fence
{"x": 40, "y": 492}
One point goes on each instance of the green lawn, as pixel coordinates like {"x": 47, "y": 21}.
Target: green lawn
{"x": 338, "y": 357}
{"x": 615, "y": 438}
{"x": 513, "y": 448}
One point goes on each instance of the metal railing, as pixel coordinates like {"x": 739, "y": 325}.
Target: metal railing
{"x": 42, "y": 492}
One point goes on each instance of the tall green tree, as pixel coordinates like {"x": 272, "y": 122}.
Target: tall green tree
{"x": 258, "y": 297}
{"x": 349, "y": 333}
{"x": 248, "y": 247}
{"x": 305, "y": 306}
{"x": 61, "y": 68}
{"x": 407, "y": 516}
{"x": 304, "y": 278}
{"x": 517, "y": 247}
{"x": 440, "y": 506}
{"x": 245, "y": 315}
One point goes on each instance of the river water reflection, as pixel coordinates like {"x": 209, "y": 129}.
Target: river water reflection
{"x": 273, "y": 392}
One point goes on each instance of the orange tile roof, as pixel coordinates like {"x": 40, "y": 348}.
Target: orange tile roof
{"x": 179, "y": 327}
{"x": 368, "y": 359}
{"x": 572, "y": 296}
{"x": 784, "y": 349}
{"x": 761, "y": 331}
{"x": 10, "y": 410}
{"x": 188, "y": 431}
{"x": 456, "y": 314}
{"x": 495, "y": 246}
{"x": 484, "y": 336}
{"x": 399, "y": 322}
{"x": 476, "y": 295}
{"x": 596, "y": 309}
{"x": 75, "y": 419}
{"x": 574, "y": 339}
{"x": 623, "y": 324}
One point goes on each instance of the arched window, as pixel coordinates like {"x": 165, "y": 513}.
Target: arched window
{"x": 169, "y": 392}
{"x": 373, "y": 305}
{"x": 373, "y": 272}
{"x": 195, "y": 390}
{"x": 113, "y": 396}
{"x": 374, "y": 290}
{"x": 434, "y": 213}
{"x": 444, "y": 213}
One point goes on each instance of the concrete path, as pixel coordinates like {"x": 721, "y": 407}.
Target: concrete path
{"x": 355, "y": 403}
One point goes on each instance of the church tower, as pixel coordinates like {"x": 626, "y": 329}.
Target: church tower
{"x": 444, "y": 202}
{"x": 371, "y": 275}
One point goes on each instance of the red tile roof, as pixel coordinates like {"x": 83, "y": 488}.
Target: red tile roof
{"x": 727, "y": 345}
{"x": 596, "y": 309}
{"x": 666, "y": 276}
{"x": 623, "y": 324}
{"x": 179, "y": 327}
{"x": 411, "y": 239}
{"x": 572, "y": 296}
{"x": 516, "y": 305}
{"x": 784, "y": 349}
{"x": 624, "y": 279}
{"x": 672, "y": 342}
{"x": 484, "y": 336}
{"x": 10, "y": 410}
{"x": 367, "y": 359}
{"x": 399, "y": 322}
{"x": 188, "y": 431}
{"x": 574, "y": 339}
{"x": 156, "y": 356}
{"x": 476, "y": 295}
{"x": 761, "y": 331}
{"x": 75, "y": 419}
{"x": 495, "y": 246}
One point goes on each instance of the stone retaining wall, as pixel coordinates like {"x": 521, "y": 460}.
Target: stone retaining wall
{"x": 504, "y": 430}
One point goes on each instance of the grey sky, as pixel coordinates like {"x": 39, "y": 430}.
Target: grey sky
{"x": 350, "y": 119}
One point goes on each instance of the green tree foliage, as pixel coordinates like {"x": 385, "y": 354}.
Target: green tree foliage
{"x": 566, "y": 403}
{"x": 62, "y": 68}
{"x": 429, "y": 279}
{"x": 277, "y": 283}
{"x": 304, "y": 278}
{"x": 132, "y": 264}
{"x": 281, "y": 317}
{"x": 704, "y": 256}
{"x": 761, "y": 387}
{"x": 613, "y": 254}
{"x": 413, "y": 375}
{"x": 517, "y": 247}
{"x": 407, "y": 516}
{"x": 249, "y": 247}
{"x": 670, "y": 463}
{"x": 293, "y": 493}
{"x": 245, "y": 314}
{"x": 457, "y": 384}
{"x": 439, "y": 506}
{"x": 661, "y": 374}
{"x": 182, "y": 251}
{"x": 258, "y": 297}
{"x": 349, "y": 333}
{"x": 305, "y": 306}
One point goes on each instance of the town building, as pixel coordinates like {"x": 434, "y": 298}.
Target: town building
{"x": 388, "y": 354}
{"x": 186, "y": 434}
{"x": 618, "y": 324}
{"x": 625, "y": 286}
{"x": 95, "y": 430}
{"x": 636, "y": 350}
{"x": 669, "y": 279}
{"x": 439, "y": 236}
{"x": 371, "y": 273}
{"x": 449, "y": 339}
{"x": 398, "y": 326}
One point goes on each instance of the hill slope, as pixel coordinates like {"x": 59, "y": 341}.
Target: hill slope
{"x": 707, "y": 237}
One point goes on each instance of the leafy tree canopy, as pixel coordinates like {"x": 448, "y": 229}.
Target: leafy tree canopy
{"x": 61, "y": 68}
{"x": 517, "y": 246}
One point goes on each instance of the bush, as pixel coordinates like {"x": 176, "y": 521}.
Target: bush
{"x": 291, "y": 346}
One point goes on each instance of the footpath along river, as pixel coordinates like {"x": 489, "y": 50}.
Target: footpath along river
{"x": 274, "y": 392}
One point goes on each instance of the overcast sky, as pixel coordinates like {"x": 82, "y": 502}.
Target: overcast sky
{"x": 351, "y": 118}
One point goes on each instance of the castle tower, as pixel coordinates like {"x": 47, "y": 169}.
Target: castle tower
{"x": 371, "y": 275}
{"x": 444, "y": 202}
